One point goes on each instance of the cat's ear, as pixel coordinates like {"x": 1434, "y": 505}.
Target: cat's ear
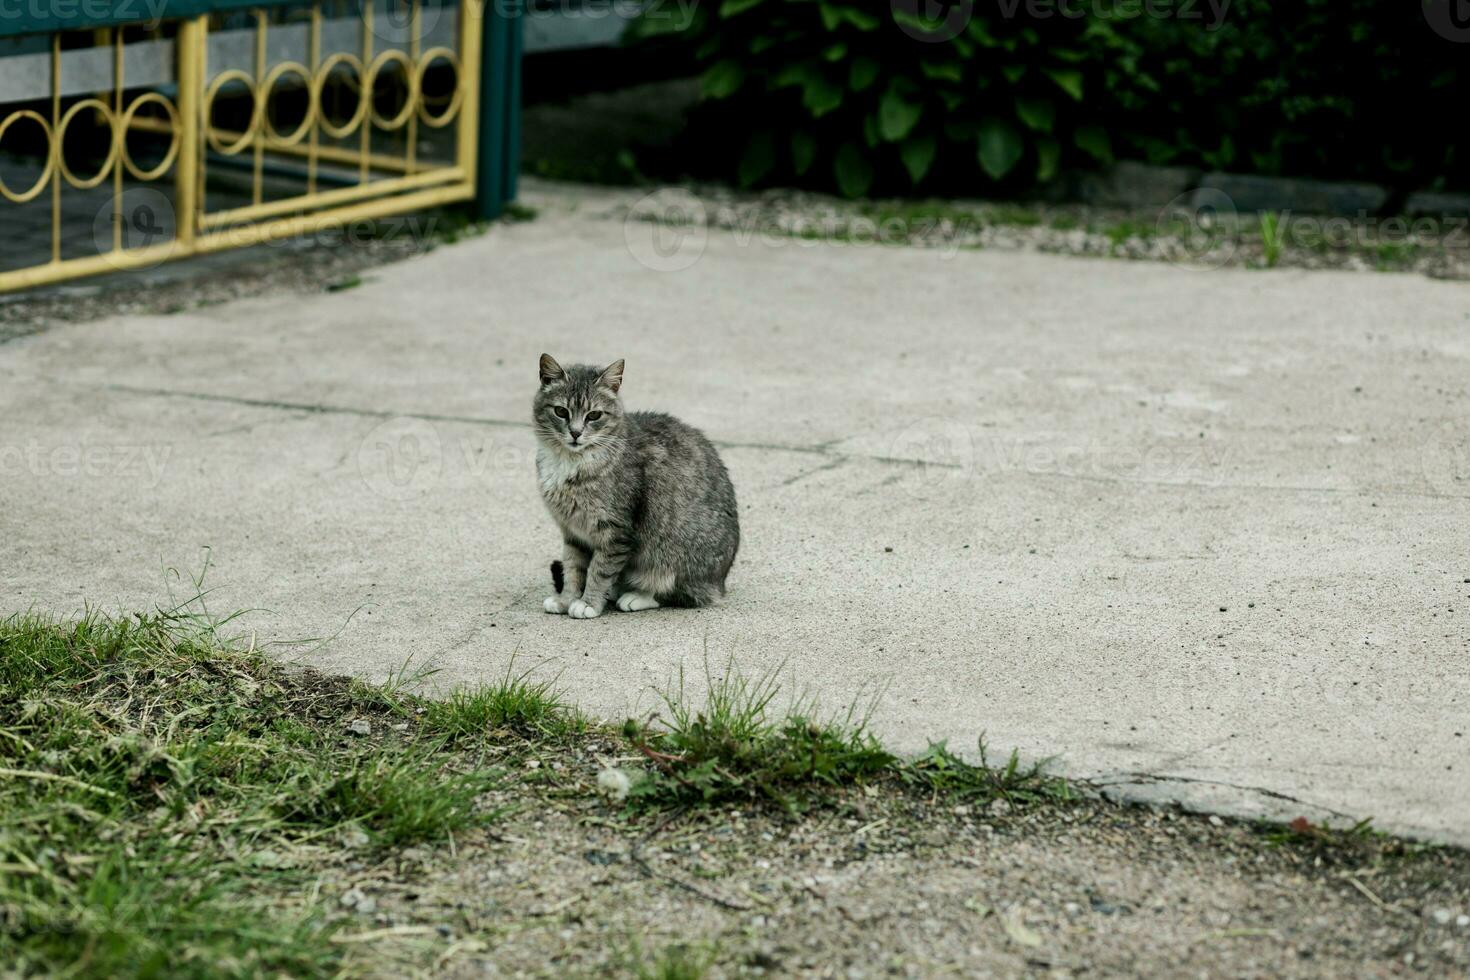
{"x": 550, "y": 370}
{"x": 612, "y": 375}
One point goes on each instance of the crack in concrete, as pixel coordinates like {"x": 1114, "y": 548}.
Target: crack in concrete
{"x": 816, "y": 449}
{"x": 1126, "y": 779}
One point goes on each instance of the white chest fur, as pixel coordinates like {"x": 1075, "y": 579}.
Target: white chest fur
{"x": 554, "y": 469}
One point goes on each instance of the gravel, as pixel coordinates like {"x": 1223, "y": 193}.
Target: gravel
{"x": 890, "y": 883}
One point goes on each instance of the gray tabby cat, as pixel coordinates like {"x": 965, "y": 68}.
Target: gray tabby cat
{"x": 645, "y": 507}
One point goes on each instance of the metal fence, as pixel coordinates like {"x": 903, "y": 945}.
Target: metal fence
{"x": 181, "y": 127}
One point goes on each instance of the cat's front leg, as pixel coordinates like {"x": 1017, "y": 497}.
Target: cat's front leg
{"x": 607, "y": 564}
{"x": 574, "y": 560}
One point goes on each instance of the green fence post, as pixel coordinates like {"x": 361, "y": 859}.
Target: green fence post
{"x": 511, "y": 168}
{"x": 500, "y": 108}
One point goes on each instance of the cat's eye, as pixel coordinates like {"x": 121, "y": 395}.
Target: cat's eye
{"x": 561, "y": 413}
{"x": 593, "y": 416}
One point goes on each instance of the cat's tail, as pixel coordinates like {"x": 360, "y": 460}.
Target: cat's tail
{"x": 557, "y": 578}
{"x": 692, "y": 595}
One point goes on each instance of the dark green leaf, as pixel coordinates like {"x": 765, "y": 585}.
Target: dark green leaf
{"x": 1069, "y": 79}
{"x": 803, "y": 151}
{"x": 918, "y": 155}
{"x": 862, "y": 74}
{"x": 897, "y": 115}
{"x": 999, "y": 145}
{"x": 722, "y": 79}
{"x": 948, "y": 71}
{"x": 1048, "y": 159}
{"x": 821, "y": 95}
{"x": 833, "y": 17}
{"x": 853, "y": 170}
{"x": 1013, "y": 73}
{"x": 1037, "y": 114}
{"x": 758, "y": 159}
{"x": 1094, "y": 141}
{"x": 835, "y": 52}
{"x": 732, "y": 7}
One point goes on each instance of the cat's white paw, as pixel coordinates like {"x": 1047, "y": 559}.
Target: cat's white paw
{"x": 583, "y": 610}
{"x": 555, "y": 605}
{"x": 635, "y": 601}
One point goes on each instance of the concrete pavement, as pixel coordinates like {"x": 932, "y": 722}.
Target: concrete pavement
{"x": 1202, "y": 535}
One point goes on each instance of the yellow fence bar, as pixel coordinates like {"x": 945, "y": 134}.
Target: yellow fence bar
{"x": 188, "y": 176}
{"x": 390, "y": 182}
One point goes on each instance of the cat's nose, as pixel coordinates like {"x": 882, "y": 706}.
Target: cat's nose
{"x": 576, "y": 434}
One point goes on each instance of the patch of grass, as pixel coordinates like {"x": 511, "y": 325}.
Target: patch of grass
{"x": 940, "y": 770}
{"x": 738, "y": 747}
{"x": 1014, "y": 215}
{"x": 1273, "y": 236}
{"x": 518, "y": 212}
{"x": 1127, "y": 229}
{"x": 677, "y": 962}
{"x": 516, "y": 704}
{"x": 146, "y": 761}
{"x": 1393, "y": 256}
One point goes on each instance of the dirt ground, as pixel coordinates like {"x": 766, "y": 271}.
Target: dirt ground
{"x": 890, "y": 884}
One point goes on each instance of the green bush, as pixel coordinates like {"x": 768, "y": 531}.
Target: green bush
{"x": 833, "y": 92}
{"x": 1346, "y": 89}
{"x": 837, "y": 93}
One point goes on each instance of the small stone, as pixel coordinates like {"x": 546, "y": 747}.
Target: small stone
{"x": 533, "y": 763}
{"x": 360, "y": 726}
{"x": 1442, "y": 916}
{"x": 1462, "y": 921}
{"x": 1216, "y": 821}
{"x": 999, "y": 808}
{"x": 354, "y": 898}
